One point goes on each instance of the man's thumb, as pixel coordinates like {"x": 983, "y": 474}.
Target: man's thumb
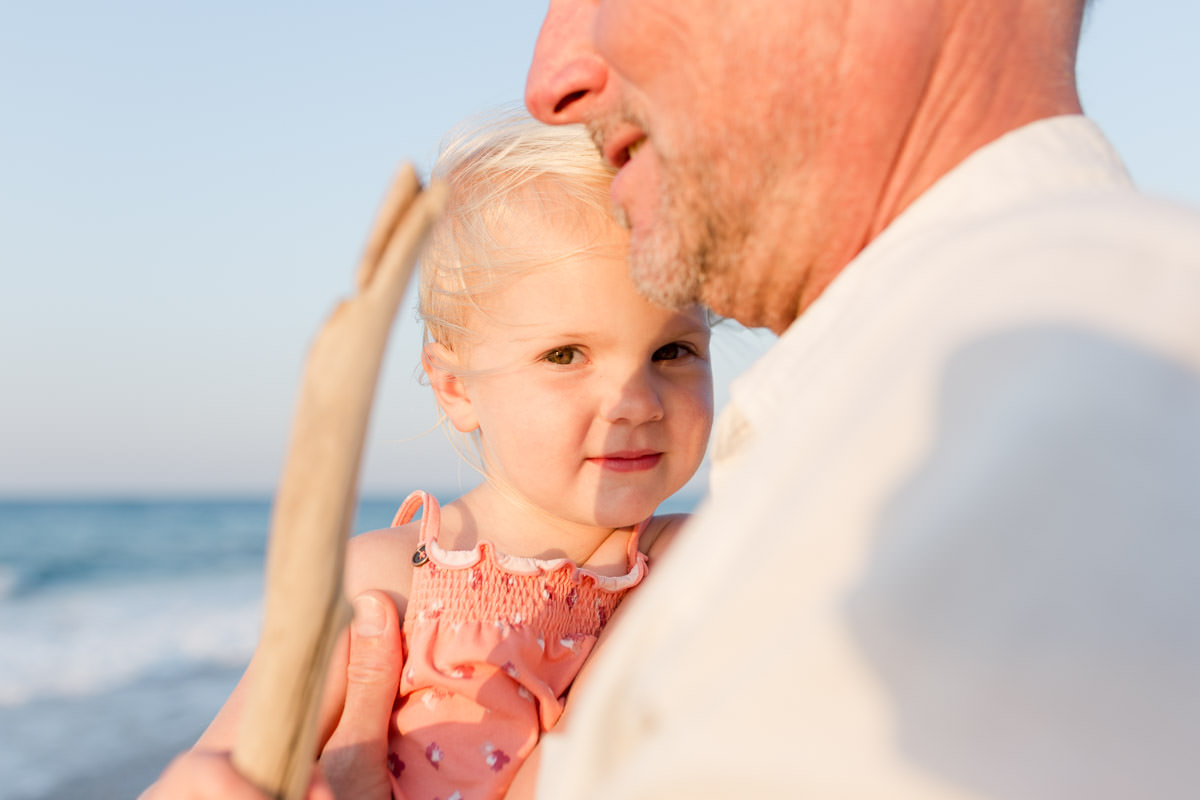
{"x": 372, "y": 671}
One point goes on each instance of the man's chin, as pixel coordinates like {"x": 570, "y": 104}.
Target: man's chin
{"x": 665, "y": 279}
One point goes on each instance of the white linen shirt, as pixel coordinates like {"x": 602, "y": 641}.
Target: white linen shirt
{"x": 952, "y": 548}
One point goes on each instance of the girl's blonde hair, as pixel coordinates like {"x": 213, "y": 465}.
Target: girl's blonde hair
{"x": 494, "y": 164}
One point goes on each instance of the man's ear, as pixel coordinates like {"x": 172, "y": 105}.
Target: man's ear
{"x": 440, "y": 365}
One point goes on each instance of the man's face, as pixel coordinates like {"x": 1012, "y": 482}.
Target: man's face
{"x": 748, "y": 136}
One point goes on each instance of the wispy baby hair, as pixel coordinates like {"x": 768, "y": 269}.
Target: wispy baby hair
{"x": 494, "y": 164}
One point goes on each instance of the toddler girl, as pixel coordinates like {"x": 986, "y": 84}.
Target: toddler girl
{"x": 587, "y": 405}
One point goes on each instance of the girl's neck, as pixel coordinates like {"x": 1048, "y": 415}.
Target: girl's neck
{"x": 488, "y": 514}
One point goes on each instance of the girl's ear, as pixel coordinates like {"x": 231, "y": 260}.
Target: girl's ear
{"x": 439, "y": 363}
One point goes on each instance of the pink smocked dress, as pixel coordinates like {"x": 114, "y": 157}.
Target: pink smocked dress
{"x": 492, "y": 642}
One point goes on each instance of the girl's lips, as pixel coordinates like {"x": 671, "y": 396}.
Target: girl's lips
{"x": 628, "y": 462}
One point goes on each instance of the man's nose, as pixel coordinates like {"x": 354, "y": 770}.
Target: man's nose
{"x": 567, "y": 74}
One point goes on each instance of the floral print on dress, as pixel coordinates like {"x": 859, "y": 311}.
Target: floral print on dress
{"x": 478, "y": 633}
{"x": 434, "y": 755}
{"x": 496, "y": 760}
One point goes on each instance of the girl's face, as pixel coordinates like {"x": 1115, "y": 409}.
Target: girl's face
{"x": 592, "y": 403}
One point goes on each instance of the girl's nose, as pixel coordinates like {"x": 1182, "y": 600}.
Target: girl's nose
{"x": 633, "y": 398}
{"x": 567, "y": 74}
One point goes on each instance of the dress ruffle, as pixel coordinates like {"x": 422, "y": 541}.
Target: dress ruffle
{"x": 493, "y": 642}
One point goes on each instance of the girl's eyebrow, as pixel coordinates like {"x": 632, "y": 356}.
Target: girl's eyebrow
{"x": 688, "y": 329}
{"x": 685, "y": 327}
{"x": 564, "y": 336}
{"x": 696, "y": 327}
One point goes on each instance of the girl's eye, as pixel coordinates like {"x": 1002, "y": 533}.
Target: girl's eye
{"x": 671, "y": 352}
{"x": 563, "y": 355}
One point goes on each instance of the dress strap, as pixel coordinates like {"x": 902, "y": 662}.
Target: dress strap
{"x": 431, "y": 520}
{"x": 632, "y": 554}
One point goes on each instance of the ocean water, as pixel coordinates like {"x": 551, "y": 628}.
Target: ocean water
{"x": 123, "y": 627}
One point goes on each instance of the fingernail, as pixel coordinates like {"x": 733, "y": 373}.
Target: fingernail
{"x": 369, "y": 616}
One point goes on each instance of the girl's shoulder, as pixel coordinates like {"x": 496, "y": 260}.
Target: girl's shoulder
{"x": 382, "y": 559}
{"x": 659, "y": 533}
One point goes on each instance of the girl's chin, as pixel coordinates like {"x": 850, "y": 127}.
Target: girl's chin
{"x": 626, "y": 515}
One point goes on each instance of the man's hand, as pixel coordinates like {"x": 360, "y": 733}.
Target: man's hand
{"x": 355, "y": 757}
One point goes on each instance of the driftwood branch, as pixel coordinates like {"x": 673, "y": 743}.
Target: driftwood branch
{"x": 304, "y": 606}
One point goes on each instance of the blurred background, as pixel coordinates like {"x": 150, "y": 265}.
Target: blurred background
{"x": 184, "y": 191}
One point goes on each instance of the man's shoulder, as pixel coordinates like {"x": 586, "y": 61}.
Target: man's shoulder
{"x": 1115, "y": 259}
{"x": 1087, "y": 218}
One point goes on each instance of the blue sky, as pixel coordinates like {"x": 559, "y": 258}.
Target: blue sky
{"x": 184, "y": 190}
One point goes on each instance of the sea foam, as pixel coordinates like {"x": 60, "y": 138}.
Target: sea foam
{"x": 85, "y": 639}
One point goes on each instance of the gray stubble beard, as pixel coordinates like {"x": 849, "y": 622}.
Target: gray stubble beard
{"x": 693, "y": 253}
{"x": 662, "y": 272}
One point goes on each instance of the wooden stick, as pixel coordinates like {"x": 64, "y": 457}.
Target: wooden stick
{"x": 304, "y": 606}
